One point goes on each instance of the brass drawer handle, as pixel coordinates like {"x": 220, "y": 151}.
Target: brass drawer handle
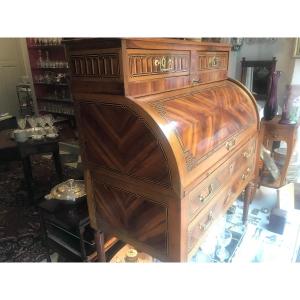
{"x": 230, "y": 144}
{"x": 164, "y": 63}
{"x": 213, "y": 62}
{"x": 208, "y": 222}
{"x": 245, "y": 176}
{"x": 247, "y": 154}
{"x": 210, "y": 190}
{"x": 195, "y": 81}
{"x": 227, "y": 197}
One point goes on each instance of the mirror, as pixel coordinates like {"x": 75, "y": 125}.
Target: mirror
{"x": 256, "y": 76}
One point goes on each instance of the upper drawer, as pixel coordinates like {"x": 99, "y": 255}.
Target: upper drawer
{"x": 153, "y": 71}
{"x": 153, "y": 64}
{"x": 212, "y": 60}
{"x": 209, "y": 67}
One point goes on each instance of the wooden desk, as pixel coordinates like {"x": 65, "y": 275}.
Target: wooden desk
{"x": 270, "y": 132}
{"x": 11, "y": 151}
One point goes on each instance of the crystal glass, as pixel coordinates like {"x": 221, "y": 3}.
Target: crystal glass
{"x": 49, "y": 120}
{"x": 21, "y": 122}
{"x": 224, "y": 240}
{"x": 32, "y": 122}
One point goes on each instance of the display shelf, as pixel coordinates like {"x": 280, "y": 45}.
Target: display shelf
{"x": 66, "y": 100}
{"x": 50, "y": 75}
{"x": 50, "y": 68}
{"x": 51, "y": 83}
{"x": 59, "y": 46}
{"x": 57, "y": 113}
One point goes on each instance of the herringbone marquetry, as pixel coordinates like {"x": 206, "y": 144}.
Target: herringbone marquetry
{"x": 142, "y": 219}
{"x": 119, "y": 141}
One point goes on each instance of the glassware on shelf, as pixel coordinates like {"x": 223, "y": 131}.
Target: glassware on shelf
{"x": 47, "y": 61}
{"x": 40, "y": 62}
{"x": 32, "y": 122}
{"x": 224, "y": 240}
{"x": 21, "y": 122}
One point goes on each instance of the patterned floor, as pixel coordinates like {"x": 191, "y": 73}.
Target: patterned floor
{"x": 20, "y": 239}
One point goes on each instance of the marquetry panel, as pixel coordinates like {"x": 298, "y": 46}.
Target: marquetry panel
{"x": 212, "y": 60}
{"x": 116, "y": 139}
{"x": 146, "y": 63}
{"x": 140, "y": 218}
{"x": 204, "y": 120}
{"x": 104, "y": 65}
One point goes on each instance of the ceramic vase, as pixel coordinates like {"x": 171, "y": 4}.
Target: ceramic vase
{"x": 271, "y": 107}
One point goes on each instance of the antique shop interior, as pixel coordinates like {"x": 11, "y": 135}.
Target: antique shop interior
{"x": 149, "y": 150}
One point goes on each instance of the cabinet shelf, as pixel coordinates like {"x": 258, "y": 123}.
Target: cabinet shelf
{"x": 70, "y": 101}
{"x": 57, "y": 113}
{"x": 59, "y": 46}
{"x": 50, "y": 68}
{"x": 51, "y": 83}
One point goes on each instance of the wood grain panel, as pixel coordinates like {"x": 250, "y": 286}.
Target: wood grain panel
{"x": 101, "y": 66}
{"x": 204, "y": 120}
{"x": 141, "y": 219}
{"x": 118, "y": 140}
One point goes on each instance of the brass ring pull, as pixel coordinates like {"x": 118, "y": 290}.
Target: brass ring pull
{"x": 246, "y": 154}
{"x": 208, "y": 222}
{"x": 210, "y": 190}
{"x": 245, "y": 176}
{"x": 163, "y": 62}
{"x": 230, "y": 144}
{"x": 213, "y": 62}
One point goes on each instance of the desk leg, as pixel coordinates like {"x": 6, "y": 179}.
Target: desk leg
{"x": 99, "y": 240}
{"x": 44, "y": 235}
{"x": 82, "y": 246}
{"x": 28, "y": 176}
{"x": 249, "y": 195}
{"x": 57, "y": 163}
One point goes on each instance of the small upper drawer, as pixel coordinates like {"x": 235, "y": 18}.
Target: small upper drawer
{"x": 152, "y": 64}
{"x": 212, "y": 60}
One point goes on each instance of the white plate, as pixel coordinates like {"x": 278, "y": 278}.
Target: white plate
{"x": 52, "y": 135}
{"x": 37, "y": 137}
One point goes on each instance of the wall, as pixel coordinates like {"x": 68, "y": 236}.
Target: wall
{"x": 282, "y": 49}
{"x": 12, "y": 69}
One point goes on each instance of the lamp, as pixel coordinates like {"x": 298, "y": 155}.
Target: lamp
{"x": 236, "y": 43}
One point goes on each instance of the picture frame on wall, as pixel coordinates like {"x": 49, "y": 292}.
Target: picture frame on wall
{"x": 297, "y": 48}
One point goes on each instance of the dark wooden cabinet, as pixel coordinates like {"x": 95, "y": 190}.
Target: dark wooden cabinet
{"x": 168, "y": 141}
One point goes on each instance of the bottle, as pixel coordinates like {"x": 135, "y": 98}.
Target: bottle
{"x": 271, "y": 107}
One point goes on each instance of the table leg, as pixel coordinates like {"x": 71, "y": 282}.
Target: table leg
{"x": 44, "y": 235}
{"x": 57, "y": 163}
{"x": 82, "y": 246}
{"x": 28, "y": 176}
{"x": 99, "y": 240}
{"x": 249, "y": 195}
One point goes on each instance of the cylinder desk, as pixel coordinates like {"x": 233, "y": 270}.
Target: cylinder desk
{"x": 168, "y": 141}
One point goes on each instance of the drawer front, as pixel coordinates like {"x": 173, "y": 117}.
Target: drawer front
{"x": 203, "y": 222}
{"x": 218, "y": 205}
{"x": 151, "y": 64}
{"x": 154, "y": 71}
{"x": 204, "y": 193}
{"x": 210, "y": 66}
{"x": 212, "y": 60}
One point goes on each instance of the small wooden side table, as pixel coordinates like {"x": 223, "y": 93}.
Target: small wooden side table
{"x": 270, "y": 133}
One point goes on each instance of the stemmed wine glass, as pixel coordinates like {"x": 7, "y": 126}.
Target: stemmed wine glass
{"x": 32, "y": 122}
{"x": 224, "y": 240}
{"x": 21, "y": 122}
{"x": 50, "y": 121}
